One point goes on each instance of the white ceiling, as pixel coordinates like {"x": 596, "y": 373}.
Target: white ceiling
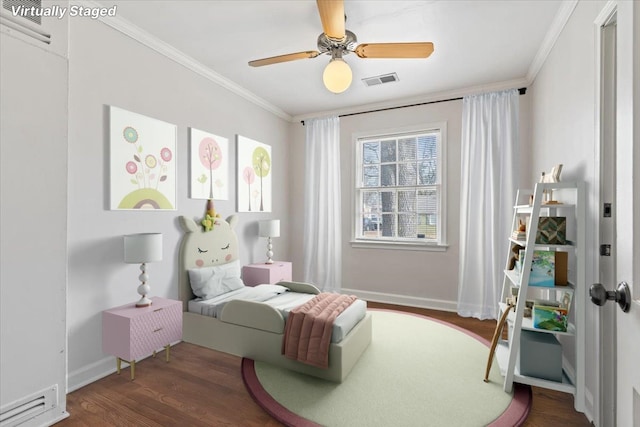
{"x": 478, "y": 43}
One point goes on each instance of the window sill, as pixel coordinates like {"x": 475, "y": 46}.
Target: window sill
{"x": 405, "y": 246}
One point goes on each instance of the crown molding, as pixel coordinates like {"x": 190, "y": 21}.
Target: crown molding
{"x": 558, "y": 24}
{"x": 136, "y": 33}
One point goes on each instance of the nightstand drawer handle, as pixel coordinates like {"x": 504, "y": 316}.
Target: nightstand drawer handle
{"x": 157, "y": 309}
{"x": 159, "y": 329}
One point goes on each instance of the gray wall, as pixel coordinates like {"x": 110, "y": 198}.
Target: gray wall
{"x": 109, "y": 68}
{"x": 33, "y": 215}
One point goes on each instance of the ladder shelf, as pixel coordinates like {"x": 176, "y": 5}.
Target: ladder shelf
{"x": 518, "y": 283}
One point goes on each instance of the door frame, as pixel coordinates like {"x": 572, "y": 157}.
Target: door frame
{"x": 604, "y": 397}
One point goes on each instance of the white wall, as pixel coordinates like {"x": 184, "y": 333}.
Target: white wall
{"x": 109, "y": 68}
{"x": 33, "y": 218}
{"x": 419, "y": 278}
{"x": 563, "y": 126}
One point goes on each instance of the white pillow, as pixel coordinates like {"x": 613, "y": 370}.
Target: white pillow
{"x": 276, "y": 289}
{"x": 209, "y": 282}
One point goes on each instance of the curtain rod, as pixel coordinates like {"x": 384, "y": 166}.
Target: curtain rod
{"x": 521, "y": 91}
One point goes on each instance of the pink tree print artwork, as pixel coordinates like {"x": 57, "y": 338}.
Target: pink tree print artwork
{"x": 249, "y": 176}
{"x": 211, "y": 158}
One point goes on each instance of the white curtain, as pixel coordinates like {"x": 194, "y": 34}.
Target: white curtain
{"x": 487, "y": 191}
{"x": 322, "y": 210}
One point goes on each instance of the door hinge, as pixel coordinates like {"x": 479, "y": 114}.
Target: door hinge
{"x": 605, "y": 250}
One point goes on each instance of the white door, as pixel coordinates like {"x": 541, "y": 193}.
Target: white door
{"x": 628, "y": 212}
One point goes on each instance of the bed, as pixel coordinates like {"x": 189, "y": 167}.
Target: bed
{"x": 253, "y": 327}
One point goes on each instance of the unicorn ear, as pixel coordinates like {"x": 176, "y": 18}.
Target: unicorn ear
{"x": 187, "y": 224}
{"x": 233, "y": 221}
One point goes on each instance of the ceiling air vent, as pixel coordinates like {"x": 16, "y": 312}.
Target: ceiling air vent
{"x": 378, "y": 80}
{"x": 17, "y": 7}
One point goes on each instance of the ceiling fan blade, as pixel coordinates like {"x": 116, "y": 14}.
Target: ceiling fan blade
{"x": 332, "y": 17}
{"x": 394, "y": 50}
{"x": 284, "y": 58}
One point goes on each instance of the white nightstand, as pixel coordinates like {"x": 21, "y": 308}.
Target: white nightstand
{"x": 257, "y": 274}
{"x": 131, "y": 333}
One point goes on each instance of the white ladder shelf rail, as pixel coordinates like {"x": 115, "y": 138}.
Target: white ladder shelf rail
{"x": 574, "y": 383}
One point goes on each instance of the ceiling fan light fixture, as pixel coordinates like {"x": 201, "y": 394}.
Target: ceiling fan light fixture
{"x": 337, "y": 75}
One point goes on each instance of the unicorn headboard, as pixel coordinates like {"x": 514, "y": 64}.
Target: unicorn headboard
{"x": 200, "y": 248}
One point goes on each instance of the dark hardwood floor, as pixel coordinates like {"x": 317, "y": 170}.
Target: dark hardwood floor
{"x": 202, "y": 387}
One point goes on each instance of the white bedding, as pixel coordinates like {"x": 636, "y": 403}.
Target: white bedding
{"x": 282, "y": 300}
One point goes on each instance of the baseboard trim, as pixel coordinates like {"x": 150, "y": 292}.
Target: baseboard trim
{"x": 432, "y": 304}
{"x": 90, "y": 373}
{"x": 96, "y": 371}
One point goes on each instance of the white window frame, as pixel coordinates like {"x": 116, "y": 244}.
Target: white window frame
{"x": 399, "y": 243}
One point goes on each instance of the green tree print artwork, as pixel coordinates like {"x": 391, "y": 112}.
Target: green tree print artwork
{"x": 262, "y": 167}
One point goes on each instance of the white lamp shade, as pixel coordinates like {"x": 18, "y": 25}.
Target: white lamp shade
{"x": 143, "y": 247}
{"x": 337, "y": 76}
{"x": 269, "y": 228}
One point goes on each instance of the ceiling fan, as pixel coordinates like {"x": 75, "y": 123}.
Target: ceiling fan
{"x": 338, "y": 41}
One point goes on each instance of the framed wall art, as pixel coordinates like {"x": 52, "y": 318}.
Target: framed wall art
{"x": 254, "y": 176}
{"x": 209, "y": 160}
{"x": 142, "y": 162}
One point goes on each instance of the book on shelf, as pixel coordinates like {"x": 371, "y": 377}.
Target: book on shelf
{"x": 550, "y": 318}
{"x": 548, "y": 268}
{"x": 519, "y": 235}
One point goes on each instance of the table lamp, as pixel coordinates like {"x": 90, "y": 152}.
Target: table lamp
{"x": 269, "y": 228}
{"x": 143, "y": 248}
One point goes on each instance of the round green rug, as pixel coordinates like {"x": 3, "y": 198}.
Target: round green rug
{"x": 417, "y": 371}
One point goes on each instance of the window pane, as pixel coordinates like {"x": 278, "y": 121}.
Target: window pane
{"x": 371, "y": 226}
{"x": 427, "y": 147}
{"x": 427, "y": 201}
{"x": 370, "y": 153}
{"x": 427, "y": 226}
{"x": 388, "y": 151}
{"x": 407, "y": 149}
{"x": 428, "y": 172}
{"x": 370, "y": 202}
{"x": 406, "y": 201}
{"x": 388, "y": 175}
{"x": 371, "y": 176}
{"x": 407, "y": 225}
{"x": 407, "y": 174}
{"x": 388, "y": 201}
{"x": 388, "y": 225}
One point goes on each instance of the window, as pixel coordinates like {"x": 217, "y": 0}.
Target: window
{"x": 399, "y": 188}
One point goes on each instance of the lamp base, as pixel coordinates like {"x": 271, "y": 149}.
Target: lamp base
{"x": 144, "y": 302}
{"x": 269, "y": 252}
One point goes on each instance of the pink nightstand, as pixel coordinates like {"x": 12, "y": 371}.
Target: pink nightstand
{"x": 131, "y": 333}
{"x": 257, "y": 274}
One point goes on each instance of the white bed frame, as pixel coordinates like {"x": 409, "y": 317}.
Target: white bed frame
{"x": 255, "y": 331}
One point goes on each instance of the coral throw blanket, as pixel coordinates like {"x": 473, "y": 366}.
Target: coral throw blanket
{"x": 307, "y": 335}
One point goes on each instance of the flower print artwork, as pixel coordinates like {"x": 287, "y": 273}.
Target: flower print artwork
{"x": 209, "y": 166}
{"x": 254, "y": 176}
{"x": 143, "y": 171}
